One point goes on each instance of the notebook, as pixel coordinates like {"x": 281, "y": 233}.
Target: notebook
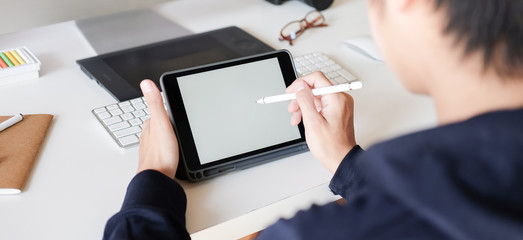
{"x": 19, "y": 149}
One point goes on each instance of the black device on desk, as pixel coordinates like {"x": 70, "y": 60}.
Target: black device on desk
{"x": 121, "y": 72}
{"x": 317, "y": 4}
{"x": 219, "y": 125}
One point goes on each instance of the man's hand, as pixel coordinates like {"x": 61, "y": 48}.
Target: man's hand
{"x": 328, "y": 119}
{"x": 158, "y": 144}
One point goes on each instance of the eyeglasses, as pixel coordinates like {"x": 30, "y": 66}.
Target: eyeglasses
{"x": 294, "y": 29}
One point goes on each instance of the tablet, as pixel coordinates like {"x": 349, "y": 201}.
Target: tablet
{"x": 219, "y": 125}
{"x": 121, "y": 72}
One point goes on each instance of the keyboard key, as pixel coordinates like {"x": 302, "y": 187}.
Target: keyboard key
{"x": 136, "y": 100}
{"x": 118, "y": 126}
{"x": 127, "y": 116}
{"x": 128, "y": 140}
{"x": 127, "y": 108}
{"x": 301, "y": 72}
{"x": 139, "y": 113}
{"x": 315, "y": 60}
{"x": 332, "y": 75}
{"x": 327, "y": 69}
{"x": 347, "y": 75}
{"x": 320, "y": 65}
{"x": 112, "y": 120}
{"x": 111, "y": 107}
{"x": 104, "y": 115}
{"x": 123, "y": 104}
{"x": 135, "y": 122}
{"x": 99, "y": 110}
{"x": 336, "y": 67}
{"x": 139, "y": 105}
{"x": 116, "y": 112}
{"x": 340, "y": 80}
{"x": 305, "y": 62}
{"x": 127, "y": 131}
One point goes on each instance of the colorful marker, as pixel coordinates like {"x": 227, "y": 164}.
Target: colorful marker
{"x": 23, "y": 55}
{"x": 17, "y": 56}
{"x": 6, "y": 60}
{"x": 3, "y": 64}
{"x": 12, "y": 58}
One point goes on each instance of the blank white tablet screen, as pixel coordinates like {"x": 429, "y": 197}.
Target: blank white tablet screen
{"x": 224, "y": 117}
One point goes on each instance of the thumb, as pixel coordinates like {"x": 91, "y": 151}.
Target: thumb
{"x": 305, "y": 100}
{"x": 153, "y": 97}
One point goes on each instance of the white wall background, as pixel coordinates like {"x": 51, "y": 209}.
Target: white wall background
{"x": 22, "y": 14}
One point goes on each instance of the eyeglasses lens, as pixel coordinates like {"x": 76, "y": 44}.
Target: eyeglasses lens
{"x": 315, "y": 18}
{"x": 292, "y": 30}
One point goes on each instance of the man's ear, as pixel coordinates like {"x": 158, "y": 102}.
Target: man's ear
{"x": 404, "y": 5}
{"x": 397, "y": 6}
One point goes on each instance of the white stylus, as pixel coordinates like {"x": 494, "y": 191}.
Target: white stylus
{"x": 11, "y": 121}
{"x": 317, "y": 91}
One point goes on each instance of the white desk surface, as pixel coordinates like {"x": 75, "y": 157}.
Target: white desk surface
{"x": 81, "y": 176}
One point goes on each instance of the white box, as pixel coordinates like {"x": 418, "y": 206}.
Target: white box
{"x": 27, "y": 71}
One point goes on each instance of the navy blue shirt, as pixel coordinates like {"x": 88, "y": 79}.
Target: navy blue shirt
{"x": 458, "y": 181}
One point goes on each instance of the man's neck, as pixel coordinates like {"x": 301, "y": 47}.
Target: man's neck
{"x": 464, "y": 94}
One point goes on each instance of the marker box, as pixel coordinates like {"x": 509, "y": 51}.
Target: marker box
{"x": 18, "y": 64}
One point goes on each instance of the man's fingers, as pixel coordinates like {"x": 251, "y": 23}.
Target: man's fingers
{"x": 296, "y": 118}
{"x": 153, "y": 97}
{"x": 293, "y": 106}
{"x": 307, "y": 105}
{"x": 315, "y": 80}
{"x": 297, "y": 84}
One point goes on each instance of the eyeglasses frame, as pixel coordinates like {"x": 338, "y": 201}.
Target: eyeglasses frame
{"x": 304, "y": 25}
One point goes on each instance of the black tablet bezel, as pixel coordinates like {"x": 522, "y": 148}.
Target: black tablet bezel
{"x": 178, "y": 115}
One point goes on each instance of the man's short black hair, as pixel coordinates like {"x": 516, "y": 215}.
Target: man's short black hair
{"x": 494, "y": 27}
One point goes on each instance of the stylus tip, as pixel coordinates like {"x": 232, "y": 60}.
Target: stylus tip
{"x": 260, "y": 101}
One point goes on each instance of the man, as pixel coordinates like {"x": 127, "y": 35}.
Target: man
{"x": 460, "y": 180}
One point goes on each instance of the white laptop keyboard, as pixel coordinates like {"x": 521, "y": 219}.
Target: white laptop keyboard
{"x": 124, "y": 120}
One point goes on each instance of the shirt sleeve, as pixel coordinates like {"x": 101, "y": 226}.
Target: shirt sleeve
{"x": 154, "y": 208}
{"x": 370, "y": 215}
{"x": 347, "y": 179}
